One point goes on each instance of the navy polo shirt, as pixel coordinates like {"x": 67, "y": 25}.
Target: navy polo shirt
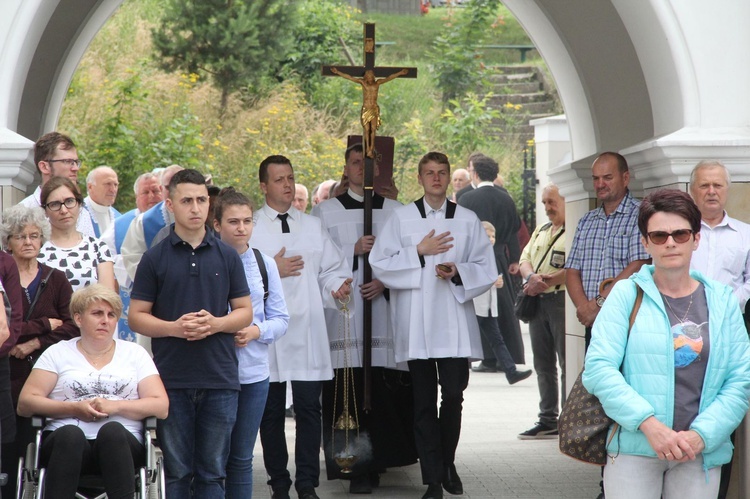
{"x": 178, "y": 280}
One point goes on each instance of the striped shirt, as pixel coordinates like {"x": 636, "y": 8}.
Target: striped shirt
{"x": 604, "y": 245}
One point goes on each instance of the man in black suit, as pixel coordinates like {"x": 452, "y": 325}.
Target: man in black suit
{"x": 494, "y": 205}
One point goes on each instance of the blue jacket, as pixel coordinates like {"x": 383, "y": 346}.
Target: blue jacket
{"x": 646, "y": 385}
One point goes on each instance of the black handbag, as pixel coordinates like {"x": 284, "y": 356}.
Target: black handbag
{"x": 526, "y": 306}
{"x": 583, "y": 424}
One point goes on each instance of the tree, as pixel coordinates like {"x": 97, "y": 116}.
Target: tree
{"x": 456, "y": 59}
{"x": 238, "y": 43}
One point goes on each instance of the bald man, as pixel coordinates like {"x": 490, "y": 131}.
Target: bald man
{"x": 101, "y": 186}
{"x": 300, "y": 198}
{"x": 460, "y": 179}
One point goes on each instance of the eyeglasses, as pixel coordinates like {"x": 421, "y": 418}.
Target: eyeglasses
{"x": 22, "y": 237}
{"x": 679, "y": 236}
{"x": 68, "y": 162}
{"x": 69, "y": 203}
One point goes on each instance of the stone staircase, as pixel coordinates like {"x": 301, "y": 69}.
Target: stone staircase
{"x": 521, "y": 93}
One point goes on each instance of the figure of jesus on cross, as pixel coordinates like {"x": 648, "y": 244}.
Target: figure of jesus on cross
{"x": 370, "y": 110}
{"x": 370, "y": 77}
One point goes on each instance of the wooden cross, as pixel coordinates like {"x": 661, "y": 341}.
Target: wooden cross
{"x": 370, "y": 77}
{"x": 367, "y": 76}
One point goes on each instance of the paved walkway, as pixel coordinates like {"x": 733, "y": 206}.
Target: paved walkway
{"x": 491, "y": 461}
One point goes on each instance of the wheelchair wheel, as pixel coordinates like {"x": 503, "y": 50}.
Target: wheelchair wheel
{"x": 27, "y": 486}
{"x": 158, "y": 488}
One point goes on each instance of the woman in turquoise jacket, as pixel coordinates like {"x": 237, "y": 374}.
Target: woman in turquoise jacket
{"x": 678, "y": 382}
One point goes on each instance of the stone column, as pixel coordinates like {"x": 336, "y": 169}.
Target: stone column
{"x": 17, "y": 170}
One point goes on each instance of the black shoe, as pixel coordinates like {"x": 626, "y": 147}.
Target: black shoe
{"x": 484, "y": 368}
{"x": 538, "y": 432}
{"x": 600, "y": 496}
{"x": 307, "y": 494}
{"x": 451, "y": 481}
{"x": 280, "y": 494}
{"x": 375, "y": 479}
{"x": 434, "y": 491}
{"x": 360, "y": 484}
{"x": 517, "y": 376}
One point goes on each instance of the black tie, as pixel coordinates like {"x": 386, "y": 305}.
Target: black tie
{"x": 284, "y": 223}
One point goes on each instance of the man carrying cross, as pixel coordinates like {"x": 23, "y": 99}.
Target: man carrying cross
{"x": 388, "y": 423}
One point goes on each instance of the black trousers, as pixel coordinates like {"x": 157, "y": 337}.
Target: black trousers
{"x": 306, "y": 400}
{"x": 437, "y": 434}
{"x": 114, "y": 454}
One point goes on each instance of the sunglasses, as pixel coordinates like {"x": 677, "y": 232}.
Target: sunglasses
{"x": 679, "y": 236}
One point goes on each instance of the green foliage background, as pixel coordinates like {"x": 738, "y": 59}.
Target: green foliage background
{"x": 124, "y": 110}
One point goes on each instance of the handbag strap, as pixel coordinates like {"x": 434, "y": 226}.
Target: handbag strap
{"x": 636, "y": 306}
{"x": 633, "y": 314}
{"x": 549, "y": 248}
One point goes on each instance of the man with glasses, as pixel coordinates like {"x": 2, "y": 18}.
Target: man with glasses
{"x": 142, "y": 232}
{"x": 148, "y": 193}
{"x": 55, "y": 155}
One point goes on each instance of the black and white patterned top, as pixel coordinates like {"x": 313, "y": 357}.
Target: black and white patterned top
{"x": 79, "y": 262}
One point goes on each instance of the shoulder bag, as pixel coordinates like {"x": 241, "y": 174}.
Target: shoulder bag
{"x": 583, "y": 424}
{"x": 526, "y": 306}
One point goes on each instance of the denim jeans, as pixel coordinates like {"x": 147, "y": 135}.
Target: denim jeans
{"x": 307, "y": 410}
{"x": 250, "y": 406}
{"x": 195, "y": 440}
{"x": 652, "y": 478}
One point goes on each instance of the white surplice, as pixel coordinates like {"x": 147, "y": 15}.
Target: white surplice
{"x": 302, "y": 354}
{"x": 343, "y": 218}
{"x": 434, "y": 318}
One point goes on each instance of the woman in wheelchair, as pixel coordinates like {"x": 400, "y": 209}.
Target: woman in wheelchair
{"x": 94, "y": 391}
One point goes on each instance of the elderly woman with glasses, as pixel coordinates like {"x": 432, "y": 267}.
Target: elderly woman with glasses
{"x": 84, "y": 259}
{"x": 45, "y": 302}
{"x": 677, "y": 382}
{"x": 46, "y": 291}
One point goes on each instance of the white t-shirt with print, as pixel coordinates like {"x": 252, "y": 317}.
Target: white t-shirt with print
{"x": 78, "y": 380}
{"x": 79, "y": 263}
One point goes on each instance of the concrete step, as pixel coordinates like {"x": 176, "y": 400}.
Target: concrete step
{"x": 502, "y": 99}
{"x": 513, "y": 69}
{"x": 543, "y": 107}
{"x": 530, "y": 87}
{"x": 502, "y": 79}
{"x": 500, "y": 128}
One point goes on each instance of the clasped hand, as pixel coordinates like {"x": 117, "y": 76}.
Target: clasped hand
{"x": 672, "y": 445}
{"x": 535, "y": 285}
{"x": 94, "y": 409}
{"x": 197, "y": 325}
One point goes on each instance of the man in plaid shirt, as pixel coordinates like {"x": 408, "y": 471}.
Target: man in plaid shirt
{"x": 607, "y": 242}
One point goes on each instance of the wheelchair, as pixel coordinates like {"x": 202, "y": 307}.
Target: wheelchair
{"x": 149, "y": 479}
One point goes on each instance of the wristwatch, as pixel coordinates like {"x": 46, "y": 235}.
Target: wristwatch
{"x": 600, "y": 300}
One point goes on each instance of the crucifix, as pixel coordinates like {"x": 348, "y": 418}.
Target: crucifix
{"x": 370, "y": 77}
